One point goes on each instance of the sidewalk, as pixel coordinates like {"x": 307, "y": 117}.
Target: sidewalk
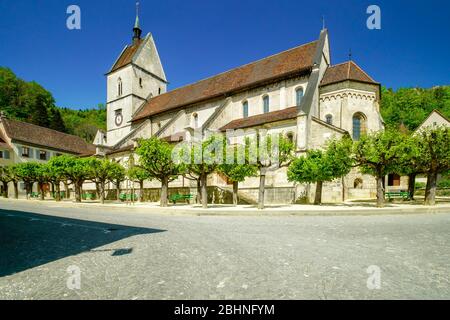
{"x": 349, "y": 208}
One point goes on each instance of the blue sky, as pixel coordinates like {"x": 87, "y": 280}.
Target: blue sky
{"x": 197, "y": 39}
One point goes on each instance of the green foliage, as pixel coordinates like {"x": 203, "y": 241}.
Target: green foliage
{"x": 30, "y": 102}
{"x": 155, "y": 157}
{"x": 411, "y": 106}
{"x": 270, "y": 151}
{"x": 137, "y": 174}
{"x": 105, "y": 170}
{"x": 206, "y": 156}
{"x": 28, "y": 172}
{"x": 238, "y": 169}
{"x": 323, "y": 166}
{"x": 434, "y": 148}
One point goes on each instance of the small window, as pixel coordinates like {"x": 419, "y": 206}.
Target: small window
{"x": 298, "y": 96}
{"x": 25, "y": 152}
{"x": 359, "y": 126}
{"x": 245, "y": 109}
{"x": 195, "y": 118}
{"x": 58, "y": 154}
{"x": 290, "y": 137}
{"x": 159, "y": 91}
{"x": 266, "y": 104}
{"x": 42, "y": 155}
{"x": 140, "y": 82}
{"x": 119, "y": 87}
{"x": 358, "y": 183}
{"x": 329, "y": 119}
{"x": 393, "y": 180}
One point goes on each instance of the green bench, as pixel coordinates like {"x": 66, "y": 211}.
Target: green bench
{"x": 88, "y": 196}
{"x": 128, "y": 197}
{"x": 177, "y": 197}
{"x": 397, "y": 195}
{"x": 35, "y": 195}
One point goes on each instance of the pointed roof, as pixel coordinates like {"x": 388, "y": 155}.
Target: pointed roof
{"x": 345, "y": 71}
{"x": 126, "y": 57}
{"x": 289, "y": 63}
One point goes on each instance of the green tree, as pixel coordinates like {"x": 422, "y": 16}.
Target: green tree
{"x": 203, "y": 158}
{"x": 77, "y": 170}
{"x": 138, "y": 175}
{"x": 319, "y": 166}
{"x": 28, "y": 173}
{"x": 155, "y": 157}
{"x": 237, "y": 168}
{"x": 56, "y": 167}
{"x": 379, "y": 154}
{"x": 104, "y": 171}
{"x": 434, "y": 158}
{"x": 269, "y": 153}
{"x": 43, "y": 176}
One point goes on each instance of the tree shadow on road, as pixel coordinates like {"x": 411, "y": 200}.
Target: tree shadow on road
{"x": 28, "y": 240}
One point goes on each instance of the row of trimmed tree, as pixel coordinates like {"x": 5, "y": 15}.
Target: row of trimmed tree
{"x": 377, "y": 154}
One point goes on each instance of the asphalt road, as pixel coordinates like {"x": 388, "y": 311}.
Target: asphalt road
{"x": 124, "y": 254}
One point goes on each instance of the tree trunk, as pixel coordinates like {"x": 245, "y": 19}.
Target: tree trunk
{"x": 380, "y": 192}
{"x": 412, "y": 185}
{"x": 262, "y": 185}
{"x": 199, "y": 191}
{"x": 102, "y": 192}
{"x": 5, "y": 189}
{"x": 77, "y": 191}
{"x": 58, "y": 191}
{"x": 41, "y": 190}
{"x": 118, "y": 190}
{"x": 430, "y": 192}
{"x": 318, "y": 196}
{"x": 16, "y": 190}
{"x": 235, "y": 192}
{"x": 141, "y": 191}
{"x": 53, "y": 190}
{"x": 97, "y": 190}
{"x": 204, "y": 178}
{"x": 164, "y": 191}
{"x": 67, "y": 190}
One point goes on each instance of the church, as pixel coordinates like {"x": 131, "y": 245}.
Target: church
{"x": 297, "y": 92}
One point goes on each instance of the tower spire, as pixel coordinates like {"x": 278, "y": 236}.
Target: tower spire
{"x": 137, "y": 29}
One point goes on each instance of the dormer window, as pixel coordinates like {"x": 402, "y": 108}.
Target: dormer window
{"x": 119, "y": 87}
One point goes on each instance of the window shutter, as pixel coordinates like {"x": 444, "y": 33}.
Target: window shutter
{"x": 6, "y": 154}
{"x": 37, "y": 154}
{"x": 30, "y": 150}
{"x": 47, "y": 155}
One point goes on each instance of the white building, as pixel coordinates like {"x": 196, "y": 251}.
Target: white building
{"x": 297, "y": 91}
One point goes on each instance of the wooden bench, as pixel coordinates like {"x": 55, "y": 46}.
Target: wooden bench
{"x": 128, "y": 197}
{"x": 397, "y": 195}
{"x": 177, "y": 197}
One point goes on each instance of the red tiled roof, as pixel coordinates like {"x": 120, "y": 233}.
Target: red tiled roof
{"x": 127, "y": 56}
{"x": 345, "y": 71}
{"x": 176, "y": 137}
{"x": 260, "y": 119}
{"x": 288, "y": 63}
{"x": 44, "y": 137}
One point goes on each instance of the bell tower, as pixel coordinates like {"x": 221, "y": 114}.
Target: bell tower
{"x": 136, "y": 76}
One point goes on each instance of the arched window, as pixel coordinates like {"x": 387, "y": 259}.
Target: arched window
{"x": 266, "y": 104}
{"x": 298, "y": 96}
{"x": 119, "y": 87}
{"x": 358, "y": 183}
{"x": 195, "y": 118}
{"x": 245, "y": 109}
{"x": 359, "y": 126}
{"x": 329, "y": 119}
{"x": 290, "y": 137}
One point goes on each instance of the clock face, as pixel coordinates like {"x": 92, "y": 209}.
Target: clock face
{"x": 119, "y": 119}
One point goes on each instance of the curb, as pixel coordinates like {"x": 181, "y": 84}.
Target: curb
{"x": 371, "y": 211}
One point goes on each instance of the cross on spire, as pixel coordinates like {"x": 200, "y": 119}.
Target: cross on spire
{"x": 323, "y": 22}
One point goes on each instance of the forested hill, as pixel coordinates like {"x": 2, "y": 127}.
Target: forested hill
{"x": 411, "y": 106}
{"x": 30, "y": 102}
